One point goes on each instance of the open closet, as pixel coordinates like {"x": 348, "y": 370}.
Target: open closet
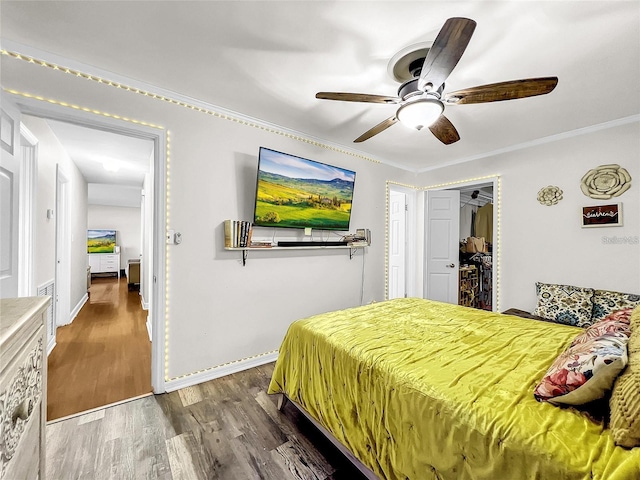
{"x": 475, "y": 287}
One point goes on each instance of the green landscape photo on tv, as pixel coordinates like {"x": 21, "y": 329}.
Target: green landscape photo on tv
{"x": 101, "y": 241}
{"x": 294, "y": 192}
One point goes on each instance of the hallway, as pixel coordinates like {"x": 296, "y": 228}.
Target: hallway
{"x": 104, "y": 356}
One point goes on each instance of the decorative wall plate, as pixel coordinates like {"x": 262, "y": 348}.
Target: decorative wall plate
{"x": 605, "y": 181}
{"x": 549, "y": 195}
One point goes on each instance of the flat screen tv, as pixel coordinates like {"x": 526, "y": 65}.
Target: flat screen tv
{"x": 101, "y": 241}
{"x": 294, "y": 192}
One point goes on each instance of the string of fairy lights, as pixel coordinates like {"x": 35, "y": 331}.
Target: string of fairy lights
{"x": 244, "y": 122}
{"x": 191, "y": 106}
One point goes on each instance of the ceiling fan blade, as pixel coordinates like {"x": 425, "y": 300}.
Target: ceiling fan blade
{"x": 356, "y": 97}
{"x": 444, "y": 54}
{"x": 497, "y": 92}
{"x": 376, "y": 130}
{"x": 444, "y": 131}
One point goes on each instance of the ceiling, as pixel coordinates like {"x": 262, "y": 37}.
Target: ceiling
{"x": 105, "y": 157}
{"x": 267, "y": 59}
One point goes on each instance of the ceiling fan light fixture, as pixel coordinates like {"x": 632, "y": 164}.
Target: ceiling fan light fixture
{"x": 420, "y": 113}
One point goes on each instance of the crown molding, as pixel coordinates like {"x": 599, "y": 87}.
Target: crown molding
{"x": 9, "y": 46}
{"x": 539, "y": 141}
{"x": 48, "y": 59}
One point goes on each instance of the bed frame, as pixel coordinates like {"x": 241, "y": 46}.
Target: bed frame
{"x": 366, "y": 471}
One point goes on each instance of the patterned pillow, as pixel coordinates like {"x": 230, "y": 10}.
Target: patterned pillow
{"x": 619, "y": 321}
{"x": 588, "y": 368}
{"x": 625, "y": 401}
{"x": 564, "y": 304}
{"x": 605, "y": 302}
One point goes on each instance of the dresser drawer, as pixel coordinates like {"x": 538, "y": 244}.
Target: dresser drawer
{"x": 21, "y": 387}
{"x": 108, "y": 260}
{"x": 25, "y": 462}
{"x": 109, "y": 268}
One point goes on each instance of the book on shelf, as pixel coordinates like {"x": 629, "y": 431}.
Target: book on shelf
{"x": 228, "y": 234}
{"x": 237, "y": 233}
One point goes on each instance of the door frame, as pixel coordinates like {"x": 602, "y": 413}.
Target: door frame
{"x": 28, "y": 202}
{"x": 497, "y": 198}
{"x": 411, "y": 193}
{"x": 158, "y": 254}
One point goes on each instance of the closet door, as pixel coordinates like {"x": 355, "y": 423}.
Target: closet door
{"x": 442, "y": 245}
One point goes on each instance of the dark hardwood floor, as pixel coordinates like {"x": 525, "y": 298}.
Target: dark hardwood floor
{"x": 227, "y": 428}
{"x": 104, "y": 356}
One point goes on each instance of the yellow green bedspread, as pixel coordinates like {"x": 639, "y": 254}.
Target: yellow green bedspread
{"x": 418, "y": 390}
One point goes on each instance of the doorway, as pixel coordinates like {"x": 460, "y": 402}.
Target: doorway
{"x": 401, "y": 242}
{"x": 462, "y": 243}
{"x": 102, "y": 352}
{"x": 475, "y": 286}
{"x": 62, "y": 284}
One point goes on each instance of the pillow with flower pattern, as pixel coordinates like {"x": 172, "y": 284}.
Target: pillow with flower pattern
{"x": 588, "y": 368}
{"x": 605, "y": 302}
{"x": 564, "y": 304}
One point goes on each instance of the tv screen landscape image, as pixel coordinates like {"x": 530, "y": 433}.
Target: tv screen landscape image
{"x": 294, "y": 192}
{"x": 101, "y": 241}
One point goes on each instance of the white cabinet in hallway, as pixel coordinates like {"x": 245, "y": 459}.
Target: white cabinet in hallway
{"x": 104, "y": 263}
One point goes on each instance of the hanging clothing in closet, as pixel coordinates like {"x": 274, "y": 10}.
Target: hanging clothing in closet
{"x": 467, "y": 221}
{"x": 484, "y": 222}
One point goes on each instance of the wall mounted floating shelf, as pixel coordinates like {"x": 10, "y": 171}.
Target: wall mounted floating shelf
{"x": 245, "y": 250}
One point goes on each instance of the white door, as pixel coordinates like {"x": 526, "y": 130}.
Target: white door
{"x": 442, "y": 245}
{"x": 63, "y": 251}
{"x": 9, "y": 198}
{"x": 397, "y": 244}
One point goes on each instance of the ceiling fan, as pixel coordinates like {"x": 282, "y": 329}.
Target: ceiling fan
{"x": 421, "y": 98}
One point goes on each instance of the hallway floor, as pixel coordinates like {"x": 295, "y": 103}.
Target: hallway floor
{"x": 104, "y": 356}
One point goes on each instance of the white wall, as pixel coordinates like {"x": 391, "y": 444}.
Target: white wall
{"x": 116, "y": 195}
{"x": 126, "y": 222}
{"x": 220, "y": 311}
{"x": 50, "y": 153}
{"x": 547, "y": 244}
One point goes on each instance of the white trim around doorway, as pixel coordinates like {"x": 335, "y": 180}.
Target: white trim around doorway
{"x": 497, "y": 201}
{"x": 159, "y": 136}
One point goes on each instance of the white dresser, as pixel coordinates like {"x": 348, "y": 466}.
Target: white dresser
{"x": 104, "y": 263}
{"x": 23, "y": 387}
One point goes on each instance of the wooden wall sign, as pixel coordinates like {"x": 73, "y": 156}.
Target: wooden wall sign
{"x": 602, "y": 216}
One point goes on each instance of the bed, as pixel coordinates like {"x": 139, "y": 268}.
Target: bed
{"x": 417, "y": 389}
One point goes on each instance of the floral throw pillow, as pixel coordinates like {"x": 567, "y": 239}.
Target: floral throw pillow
{"x": 605, "y": 302}
{"x": 588, "y": 368}
{"x": 564, "y": 304}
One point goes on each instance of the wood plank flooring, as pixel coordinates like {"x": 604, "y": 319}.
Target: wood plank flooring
{"x": 104, "y": 356}
{"x": 227, "y": 429}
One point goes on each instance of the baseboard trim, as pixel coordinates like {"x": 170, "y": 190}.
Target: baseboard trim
{"x": 145, "y": 305}
{"x": 217, "y": 372}
{"x": 76, "y": 309}
{"x": 149, "y": 327}
{"x": 51, "y": 345}
{"x": 97, "y": 409}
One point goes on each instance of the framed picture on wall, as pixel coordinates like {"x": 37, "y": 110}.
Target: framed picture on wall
{"x": 602, "y": 216}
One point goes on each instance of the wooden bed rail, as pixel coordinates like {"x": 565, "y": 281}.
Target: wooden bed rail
{"x": 366, "y": 471}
